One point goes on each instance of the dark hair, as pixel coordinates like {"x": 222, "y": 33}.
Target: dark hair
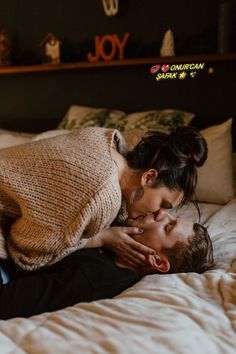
{"x": 196, "y": 256}
{"x": 175, "y": 156}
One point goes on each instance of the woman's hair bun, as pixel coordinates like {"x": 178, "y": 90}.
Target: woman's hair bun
{"x": 175, "y": 157}
{"x": 189, "y": 143}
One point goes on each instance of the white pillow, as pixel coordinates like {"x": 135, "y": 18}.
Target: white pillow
{"x": 50, "y": 134}
{"x": 234, "y": 171}
{"x": 215, "y": 181}
{"x": 164, "y": 120}
{"x": 11, "y": 138}
{"x": 83, "y": 116}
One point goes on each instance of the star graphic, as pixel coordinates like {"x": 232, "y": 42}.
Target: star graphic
{"x": 182, "y": 75}
{"x": 193, "y": 74}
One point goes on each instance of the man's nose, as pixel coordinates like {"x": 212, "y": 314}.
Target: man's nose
{"x": 163, "y": 214}
{"x": 159, "y": 214}
{"x": 172, "y": 217}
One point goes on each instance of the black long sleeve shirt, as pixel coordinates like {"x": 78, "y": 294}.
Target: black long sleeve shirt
{"x": 83, "y": 276}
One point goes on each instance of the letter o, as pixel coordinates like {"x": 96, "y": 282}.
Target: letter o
{"x": 110, "y": 39}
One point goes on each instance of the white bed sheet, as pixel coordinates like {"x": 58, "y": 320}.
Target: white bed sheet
{"x": 178, "y": 313}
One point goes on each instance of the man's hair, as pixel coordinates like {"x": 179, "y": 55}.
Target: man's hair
{"x": 195, "y": 256}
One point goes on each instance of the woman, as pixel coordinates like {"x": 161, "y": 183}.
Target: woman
{"x": 54, "y": 191}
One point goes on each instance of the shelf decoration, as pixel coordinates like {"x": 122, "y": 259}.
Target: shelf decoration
{"x": 4, "y": 49}
{"x": 51, "y": 49}
{"x": 110, "y": 7}
{"x": 116, "y": 45}
{"x": 209, "y": 58}
{"x": 168, "y": 45}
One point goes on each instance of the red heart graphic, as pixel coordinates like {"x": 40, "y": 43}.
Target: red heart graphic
{"x": 165, "y": 68}
{"x": 155, "y": 69}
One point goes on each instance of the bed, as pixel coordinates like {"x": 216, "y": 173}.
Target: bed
{"x": 177, "y": 313}
{"x": 167, "y": 314}
{"x": 161, "y": 314}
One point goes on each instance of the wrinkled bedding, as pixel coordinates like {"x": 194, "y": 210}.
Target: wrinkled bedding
{"x": 184, "y": 313}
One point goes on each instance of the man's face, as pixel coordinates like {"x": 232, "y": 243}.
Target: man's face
{"x": 161, "y": 230}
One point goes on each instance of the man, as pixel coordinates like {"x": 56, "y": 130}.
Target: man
{"x": 93, "y": 274}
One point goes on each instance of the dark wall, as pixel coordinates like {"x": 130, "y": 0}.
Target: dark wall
{"x": 41, "y": 99}
{"x": 75, "y": 22}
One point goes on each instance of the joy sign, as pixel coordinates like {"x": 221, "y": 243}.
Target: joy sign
{"x": 111, "y": 42}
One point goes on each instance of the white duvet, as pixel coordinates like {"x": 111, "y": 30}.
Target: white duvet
{"x": 184, "y": 313}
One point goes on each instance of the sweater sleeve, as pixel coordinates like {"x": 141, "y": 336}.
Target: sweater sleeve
{"x": 58, "y": 189}
{"x": 31, "y": 254}
{"x": 33, "y": 245}
{"x": 3, "y": 250}
{"x": 5, "y": 223}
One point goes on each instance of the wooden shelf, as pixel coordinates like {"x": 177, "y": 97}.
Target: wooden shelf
{"x": 8, "y": 70}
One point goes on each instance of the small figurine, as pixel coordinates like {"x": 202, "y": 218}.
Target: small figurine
{"x": 51, "y": 49}
{"x": 4, "y": 49}
{"x": 168, "y": 45}
{"x": 111, "y": 7}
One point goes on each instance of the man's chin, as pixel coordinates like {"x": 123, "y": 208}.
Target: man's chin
{"x": 122, "y": 264}
{"x": 130, "y": 222}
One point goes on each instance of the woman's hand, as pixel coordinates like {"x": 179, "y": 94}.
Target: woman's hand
{"x": 117, "y": 239}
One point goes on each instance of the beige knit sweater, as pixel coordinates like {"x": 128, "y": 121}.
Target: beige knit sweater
{"x": 55, "y": 191}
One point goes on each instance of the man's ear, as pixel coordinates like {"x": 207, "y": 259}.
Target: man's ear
{"x": 159, "y": 262}
{"x": 149, "y": 177}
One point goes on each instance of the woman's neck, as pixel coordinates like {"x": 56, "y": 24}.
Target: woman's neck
{"x": 126, "y": 175}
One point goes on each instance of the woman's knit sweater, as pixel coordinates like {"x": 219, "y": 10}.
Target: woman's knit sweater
{"x": 56, "y": 190}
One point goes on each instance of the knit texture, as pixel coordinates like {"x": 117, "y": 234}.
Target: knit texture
{"x": 56, "y": 190}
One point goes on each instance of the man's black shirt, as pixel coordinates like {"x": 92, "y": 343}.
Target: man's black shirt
{"x": 85, "y": 275}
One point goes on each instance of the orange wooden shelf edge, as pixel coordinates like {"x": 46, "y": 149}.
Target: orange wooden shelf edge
{"x": 7, "y": 70}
